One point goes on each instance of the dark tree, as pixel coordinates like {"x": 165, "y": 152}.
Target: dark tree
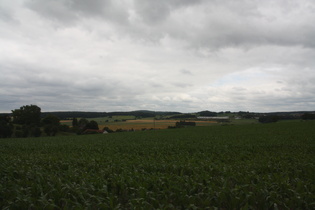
{"x": 183, "y": 116}
{"x": 92, "y": 125}
{"x": 184, "y": 124}
{"x": 51, "y": 120}
{"x": 51, "y": 124}
{"x": 75, "y": 122}
{"x": 83, "y": 122}
{"x": 108, "y": 130}
{"x": 54, "y": 130}
{"x": 207, "y": 114}
{"x": 36, "y": 132}
{"x": 64, "y": 128}
{"x": 268, "y": 119}
{"x": 51, "y": 130}
{"x": 25, "y": 131}
{"x": 6, "y": 128}
{"x": 18, "y": 134}
{"x": 308, "y": 116}
{"x": 47, "y": 130}
{"x": 27, "y": 115}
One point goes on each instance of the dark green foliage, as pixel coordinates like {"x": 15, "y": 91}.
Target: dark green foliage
{"x": 308, "y": 116}
{"x": 5, "y": 130}
{"x": 119, "y": 130}
{"x": 83, "y": 122}
{"x": 183, "y": 123}
{"x": 25, "y": 130}
{"x": 51, "y": 125}
{"x": 268, "y": 119}
{"x": 6, "y": 127}
{"x": 47, "y": 129}
{"x": 27, "y": 115}
{"x": 207, "y": 114}
{"x": 75, "y": 129}
{"x": 259, "y": 166}
{"x": 92, "y": 125}
{"x": 35, "y": 131}
{"x": 108, "y": 130}
{"x": 140, "y": 114}
{"x": 75, "y": 122}
{"x": 183, "y": 116}
{"x": 18, "y": 134}
{"x": 50, "y": 130}
{"x": 51, "y": 120}
{"x": 64, "y": 128}
{"x": 5, "y": 118}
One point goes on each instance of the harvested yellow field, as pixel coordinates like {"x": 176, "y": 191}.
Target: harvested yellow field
{"x": 65, "y": 121}
{"x": 148, "y": 124}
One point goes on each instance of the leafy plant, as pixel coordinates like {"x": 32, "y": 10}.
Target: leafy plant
{"x": 260, "y": 166}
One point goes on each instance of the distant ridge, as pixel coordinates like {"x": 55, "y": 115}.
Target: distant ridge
{"x": 148, "y": 113}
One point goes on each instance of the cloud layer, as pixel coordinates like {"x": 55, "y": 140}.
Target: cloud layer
{"x": 169, "y": 55}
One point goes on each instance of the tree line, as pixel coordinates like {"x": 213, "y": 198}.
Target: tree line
{"x": 137, "y": 114}
{"x": 28, "y": 121}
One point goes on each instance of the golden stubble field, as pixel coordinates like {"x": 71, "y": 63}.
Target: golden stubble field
{"x": 148, "y": 124}
{"x": 142, "y": 124}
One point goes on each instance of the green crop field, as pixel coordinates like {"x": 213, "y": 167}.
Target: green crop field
{"x": 255, "y": 166}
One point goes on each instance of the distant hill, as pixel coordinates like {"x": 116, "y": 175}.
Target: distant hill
{"x": 148, "y": 113}
{"x": 138, "y": 113}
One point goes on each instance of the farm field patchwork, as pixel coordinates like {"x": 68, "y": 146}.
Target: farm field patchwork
{"x": 256, "y": 166}
{"x": 129, "y": 122}
{"x": 148, "y": 124}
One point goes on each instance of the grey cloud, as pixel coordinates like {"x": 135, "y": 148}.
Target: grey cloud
{"x": 185, "y": 71}
{"x": 222, "y": 25}
{"x": 54, "y": 10}
{"x": 70, "y": 11}
{"x": 182, "y": 85}
{"x": 95, "y": 7}
{"x": 154, "y": 12}
{"x": 204, "y": 24}
{"x": 5, "y": 15}
{"x": 169, "y": 55}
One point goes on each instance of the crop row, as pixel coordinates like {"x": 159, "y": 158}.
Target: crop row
{"x": 230, "y": 167}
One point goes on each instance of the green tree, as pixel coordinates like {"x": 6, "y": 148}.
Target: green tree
{"x": 108, "y": 130}
{"x": 47, "y": 130}
{"x": 51, "y": 120}
{"x": 82, "y": 123}
{"x": 51, "y": 124}
{"x": 64, "y": 128}
{"x": 50, "y": 130}
{"x": 6, "y": 128}
{"x": 27, "y": 115}
{"x": 268, "y": 119}
{"x": 26, "y": 131}
{"x": 308, "y": 116}
{"x": 35, "y": 131}
{"x": 75, "y": 122}
{"x": 207, "y": 114}
{"x": 92, "y": 125}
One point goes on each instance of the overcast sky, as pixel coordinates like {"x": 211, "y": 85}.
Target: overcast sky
{"x": 166, "y": 55}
